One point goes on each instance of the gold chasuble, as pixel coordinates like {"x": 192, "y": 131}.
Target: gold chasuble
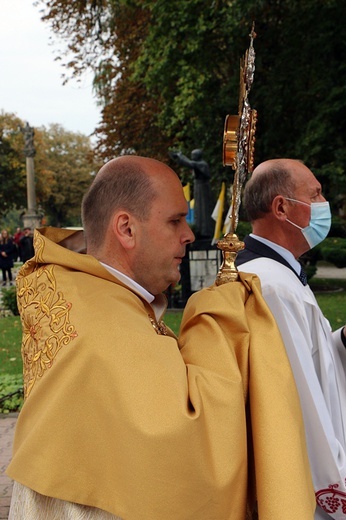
{"x": 118, "y": 418}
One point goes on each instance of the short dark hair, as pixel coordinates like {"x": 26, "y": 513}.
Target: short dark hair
{"x": 118, "y": 185}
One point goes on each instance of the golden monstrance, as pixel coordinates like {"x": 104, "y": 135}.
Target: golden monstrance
{"x": 238, "y": 152}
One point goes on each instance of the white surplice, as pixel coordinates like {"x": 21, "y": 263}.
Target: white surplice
{"x": 318, "y": 359}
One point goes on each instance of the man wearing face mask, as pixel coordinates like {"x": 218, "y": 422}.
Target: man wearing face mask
{"x": 289, "y": 216}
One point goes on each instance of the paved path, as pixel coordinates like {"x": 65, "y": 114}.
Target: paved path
{"x": 7, "y": 424}
{"x": 331, "y": 272}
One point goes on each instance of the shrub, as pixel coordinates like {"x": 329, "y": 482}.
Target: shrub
{"x": 11, "y": 393}
{"x": 333, "y": 250}
{"x": 338, "y": 227}
{"x": 243, "y": 229}
{"x": 9, "y": 299}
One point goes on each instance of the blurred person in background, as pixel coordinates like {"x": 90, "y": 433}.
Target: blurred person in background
{"x": 6, "y": 257}
{"x": 26, "y": 245}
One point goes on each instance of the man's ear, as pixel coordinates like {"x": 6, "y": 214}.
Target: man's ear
{"x": 123, "y": 225}
{"x": 279, "y": 207}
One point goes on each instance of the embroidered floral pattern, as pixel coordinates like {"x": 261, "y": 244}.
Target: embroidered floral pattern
{"x": 331, "y": 500}
{"x": 45, "y": 322}
{"x": 159, "y": 326}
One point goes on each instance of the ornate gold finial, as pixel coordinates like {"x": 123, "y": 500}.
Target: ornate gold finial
{"x": 238, "y": 152}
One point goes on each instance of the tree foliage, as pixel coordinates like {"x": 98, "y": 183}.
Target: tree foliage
{"x": 300, "y": 89}
{"x": 130, "y": 111}
{"x": 167, "y": 74}
{"x": 64, "y": 164}
{"x": 12, "y": 164}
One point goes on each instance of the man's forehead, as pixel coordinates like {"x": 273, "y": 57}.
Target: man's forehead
{"x": 304, "y": 176}
{"x": 172, "y": 201}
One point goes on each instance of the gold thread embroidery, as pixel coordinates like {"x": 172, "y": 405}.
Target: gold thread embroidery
{"x": 159, "y": 326}
{"x": 45, "y": 310}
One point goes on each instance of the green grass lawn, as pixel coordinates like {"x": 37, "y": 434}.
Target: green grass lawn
{"x": 331, "y": 297}
{"x": 10, "y": 334}
{"x": 332, "y": 303}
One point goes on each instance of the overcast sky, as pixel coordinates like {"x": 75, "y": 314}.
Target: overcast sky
{"x": 30, "y": 80}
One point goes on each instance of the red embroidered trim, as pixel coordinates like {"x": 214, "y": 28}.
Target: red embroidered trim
{"x": 331, "y": 499}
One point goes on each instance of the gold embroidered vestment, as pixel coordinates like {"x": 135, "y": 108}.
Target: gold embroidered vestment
{"x": 117, "y": 417}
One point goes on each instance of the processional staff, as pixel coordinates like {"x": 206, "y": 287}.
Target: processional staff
{"x": 238, "y": 152}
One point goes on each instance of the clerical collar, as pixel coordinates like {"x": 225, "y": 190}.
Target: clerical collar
{"x": 282, "y": 251}
{"x": 158, "y": 302}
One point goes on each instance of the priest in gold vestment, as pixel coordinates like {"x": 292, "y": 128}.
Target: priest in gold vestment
{"x": 123, "y": 421}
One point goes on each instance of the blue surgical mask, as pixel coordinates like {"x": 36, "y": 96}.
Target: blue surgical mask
{"x": 320, "y": 222}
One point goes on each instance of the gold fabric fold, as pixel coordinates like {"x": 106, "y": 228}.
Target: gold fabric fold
{"x": 231, "y": 325}
{"x": 114, "y": 418}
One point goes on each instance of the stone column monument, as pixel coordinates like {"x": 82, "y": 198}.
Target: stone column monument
{"x": 30, "y": 218}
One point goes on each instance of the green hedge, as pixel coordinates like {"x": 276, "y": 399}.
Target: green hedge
{"x": 11, "y": 393}
{"x": 333, "y": 250}
{"x": 338, "y": 228}
{"x": 9, "y": 299}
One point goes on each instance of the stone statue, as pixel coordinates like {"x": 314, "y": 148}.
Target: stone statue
{"x": 204, "y": 224}
{"x": 29, "y": 148}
